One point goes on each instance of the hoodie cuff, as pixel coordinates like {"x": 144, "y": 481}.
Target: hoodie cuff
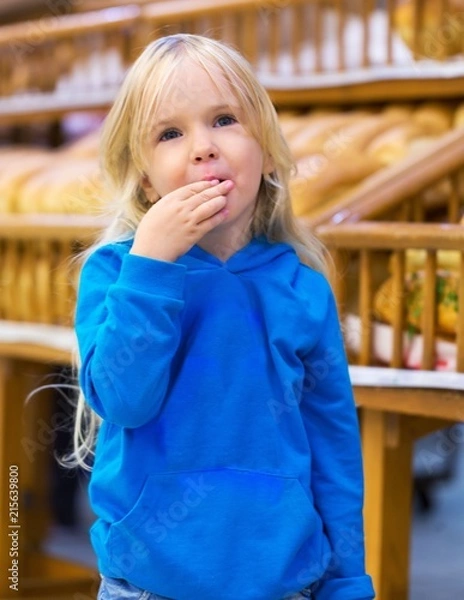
{"x": 347, "y": 588}
{"x": 148, "y": 274}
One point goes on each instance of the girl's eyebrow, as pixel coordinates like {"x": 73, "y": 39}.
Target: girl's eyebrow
{"x": 215, "y": 108}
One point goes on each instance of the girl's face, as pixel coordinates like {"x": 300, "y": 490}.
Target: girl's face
{"x": 199, "y": 134}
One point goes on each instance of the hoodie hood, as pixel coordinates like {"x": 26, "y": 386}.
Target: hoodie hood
{"x": 258, "y": 255}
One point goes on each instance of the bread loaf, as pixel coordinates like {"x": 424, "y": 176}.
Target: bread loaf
{"x": 18, "y": 169}
{"x": 320, "y": 180}
{"x": 394, "y": 144}
{"x": 65, "y": 187}
{"x": 320, "y": 133}
{"x": 436, "y": 118}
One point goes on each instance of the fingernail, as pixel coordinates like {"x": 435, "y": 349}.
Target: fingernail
{"x": 214, "y": 182}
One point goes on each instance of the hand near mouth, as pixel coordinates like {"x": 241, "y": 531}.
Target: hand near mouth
{"x": 180, "y": 219}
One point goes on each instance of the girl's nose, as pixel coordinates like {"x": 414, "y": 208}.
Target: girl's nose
{"x": 207, "y": 155}
{"x": 203, "y": 149}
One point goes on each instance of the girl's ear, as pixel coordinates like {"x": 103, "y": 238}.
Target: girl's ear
{"x": 268, "y": 166}
{"x": 150, "y": 193}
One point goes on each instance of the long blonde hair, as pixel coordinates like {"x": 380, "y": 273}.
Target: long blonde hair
{"x": 123, "y": 144}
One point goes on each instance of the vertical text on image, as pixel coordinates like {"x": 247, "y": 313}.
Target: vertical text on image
{"x": 13, "y": 526}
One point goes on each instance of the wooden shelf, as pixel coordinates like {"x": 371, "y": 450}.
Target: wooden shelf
{"x": 50, "y": 226}
{"x": 371, "y": 91}
{"x": 37, "y": 342}
{"x": 49, "y": 107}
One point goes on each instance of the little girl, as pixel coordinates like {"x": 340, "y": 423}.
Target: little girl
{"x": 227, "y": 463}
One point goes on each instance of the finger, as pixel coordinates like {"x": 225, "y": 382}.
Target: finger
{"x": 219, "y": 189}
{"x": 189, "y": 191}
{"x": 209, "y": 208}
{"x": 211, "y": 222}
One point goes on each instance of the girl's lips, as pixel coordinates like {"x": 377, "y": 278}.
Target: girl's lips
{"x": 212, "y": 177}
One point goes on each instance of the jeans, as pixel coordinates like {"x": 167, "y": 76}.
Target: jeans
{"x": 119, "y": 589}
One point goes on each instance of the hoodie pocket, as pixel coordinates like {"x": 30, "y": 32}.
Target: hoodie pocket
{"x": 215, "y": 530}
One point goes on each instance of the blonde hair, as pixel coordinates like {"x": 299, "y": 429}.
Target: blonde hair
{"x": 124, "y": 136}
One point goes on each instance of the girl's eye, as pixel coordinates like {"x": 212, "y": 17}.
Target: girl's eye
{"x": 170, "y": 134}
{"x": 224, "y": 120}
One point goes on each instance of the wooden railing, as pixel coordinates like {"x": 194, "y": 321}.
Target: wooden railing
{"x": 366, "y": 253}
{"x": 303, "y": 50}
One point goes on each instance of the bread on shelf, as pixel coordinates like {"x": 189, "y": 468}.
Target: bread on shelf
{"x": 447, "y": 292}
{"x": 337, "y": 151}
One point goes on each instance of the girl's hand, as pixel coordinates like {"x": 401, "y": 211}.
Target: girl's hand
{"x": 180, "y": 219}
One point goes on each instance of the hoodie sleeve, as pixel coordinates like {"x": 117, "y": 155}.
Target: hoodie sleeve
{"x": 127, "y": 327}
{"x": 331, "y": 423}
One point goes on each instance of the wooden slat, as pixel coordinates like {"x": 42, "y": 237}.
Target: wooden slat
{"x": 249, "y": 36}
{"x": 273, "y": 40}
{"x": 341, "y": 16}
{"x": 429, "y": 313}
{"x": 317, "y": 36}
{"x": 366, "y": 10}
{"x": 417, "y": 27}
{"x": 35, "y": 353}
{"x": 454, "y": 200}
{"x": 391, "y": 5}
{"x": 443, "y": 27}
{"x": 230, "y": 34}
{"x": 215, "y": 26}
{"x": 460, "y": 323}
{"x": 298, "y": 28}
{"x": 393, "y": 236}
{"x": 413, "y": 401}
{"x": 398, "y": 272}
{"x": 365, "y": 306}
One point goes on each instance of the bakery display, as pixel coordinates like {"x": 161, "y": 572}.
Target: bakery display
{"x": 447, "y": 293}
{"x": 337, "y": 151}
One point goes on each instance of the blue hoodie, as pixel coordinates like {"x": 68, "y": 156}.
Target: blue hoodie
{"x": 228, "y": 463}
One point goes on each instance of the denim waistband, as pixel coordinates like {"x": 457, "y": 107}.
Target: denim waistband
{"x": 119, "y": 589}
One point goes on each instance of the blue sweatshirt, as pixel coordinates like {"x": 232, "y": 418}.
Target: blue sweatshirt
{"x": 228, "y": 463}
